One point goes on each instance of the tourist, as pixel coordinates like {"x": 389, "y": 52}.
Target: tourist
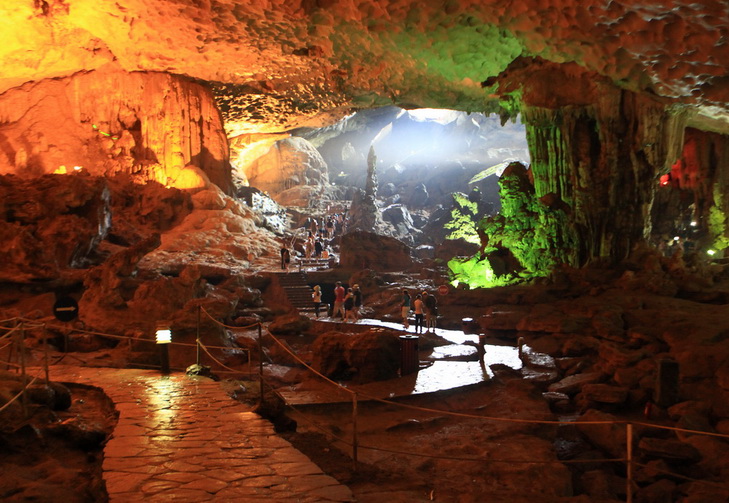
{"x": 349, "y": 306}
{"x": 316, "y": 297}
{"x": 338, "y": 300}
{"x": 418, "y": 309}
{"x": 405, "y": 308}
{"x": 285, "y": 257}
{"x": 357, "y": 300}
{"x": 313, "y": 226}
{"x": 309, "y": 246}
{"x": 431, "y": 311}
{"x": 318, "y": 248}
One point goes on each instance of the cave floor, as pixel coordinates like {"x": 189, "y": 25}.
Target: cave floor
{"x": 454, "y": 365}
{"x": 183, "y": 438}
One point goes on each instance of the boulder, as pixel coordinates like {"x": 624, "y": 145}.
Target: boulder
{"x": 574, "y": 383}
{"x": 419, "y": 196}
{"x": 361, "y": 250}
{"x": 290, "y": 162}
{"x": 610, "y": 437}
{"x": 450, "y": 248}
{"x": 661, "y": 490}
{"x": 294, "y": 323}
{"x": 604, "y": 393}
{"x": 369, "y": 356}
{"x": 670, "y": 450}
{"x": 503, "y": 317}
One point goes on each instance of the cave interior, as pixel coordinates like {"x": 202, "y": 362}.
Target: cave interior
{"x": 155, "y": 155}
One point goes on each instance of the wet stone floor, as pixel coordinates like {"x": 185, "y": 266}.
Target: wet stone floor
{"x": 184, "y": 439}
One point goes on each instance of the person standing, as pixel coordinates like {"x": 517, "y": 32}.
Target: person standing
{"x": 285, "y": 257}
{"x": 418, "y": 309}
{"x": 313, "y": 226}
{"x": 309, "y": 246}
{"x": 357, "y": 301}
{"x": 431, "y": 311}
{"x": 349, "y": 306}
{"x": 318, "y": 248}
{"x": 338, "y": 300}
{"x": 316, "y": 297}
{"x": 405, "y": 308}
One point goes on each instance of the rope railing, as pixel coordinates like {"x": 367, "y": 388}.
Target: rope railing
{"x": 246, "y": 327}
{"x": 20, "y": 393}
{"x": 356, "y": 395}
{"x": 9, "y": 332}
{"x": 354, "y": 444}
{"x": 707, "y": 483}
{"x": 302, "y": 362}
{"x": 133, "y": 339}
{"x": 204, "y": 348}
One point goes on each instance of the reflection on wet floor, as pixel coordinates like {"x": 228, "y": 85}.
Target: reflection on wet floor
{"x": 443, "y": 372}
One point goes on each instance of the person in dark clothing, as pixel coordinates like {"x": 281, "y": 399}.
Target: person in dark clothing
{"x": 285, "y": 257}
{"x": 316, "y": 297}
{"x": 431, "y": 311}
{"x": 405, "y": 309}
{"x": 318, "y": 248}
{"x": 418, "y": 308}
{"x": 349, "y": 306}
{"x": 357, "y": 300}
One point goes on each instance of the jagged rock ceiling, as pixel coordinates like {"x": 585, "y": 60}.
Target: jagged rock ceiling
{"x": 280, "y": 64}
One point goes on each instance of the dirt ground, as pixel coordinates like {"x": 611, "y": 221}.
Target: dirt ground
{"x": 410, "y": 455}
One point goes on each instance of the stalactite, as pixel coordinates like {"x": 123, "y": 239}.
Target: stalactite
{"x": 602, "y": 160}
{"x": 150, "y": 125}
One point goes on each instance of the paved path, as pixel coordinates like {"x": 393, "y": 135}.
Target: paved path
{"x": 184, "y": 439}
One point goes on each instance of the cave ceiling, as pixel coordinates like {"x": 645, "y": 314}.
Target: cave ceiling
{"x": 280, "y": 64}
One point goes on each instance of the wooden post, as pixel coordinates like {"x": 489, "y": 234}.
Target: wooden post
{"x": 355, "y": 440}
{"x": 21, "y": 349}
{"x": 197, "y": 339}
{"x": 260, "y": 359}
{"x": 629, "y": 462}
{"x": 45, "y": 338}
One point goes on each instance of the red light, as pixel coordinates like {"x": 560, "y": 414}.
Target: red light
{"x": 665, "y": 180}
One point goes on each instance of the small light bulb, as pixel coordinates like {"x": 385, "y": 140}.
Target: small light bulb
{"x": 675, "y": 238}
{"x": 711, "y": 252}
{"x": 694, "y": 224}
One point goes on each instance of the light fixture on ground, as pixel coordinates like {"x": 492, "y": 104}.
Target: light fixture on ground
{"x": 163, "y": 337}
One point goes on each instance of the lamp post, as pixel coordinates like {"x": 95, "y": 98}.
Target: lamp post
{"x": 163, "y": 337}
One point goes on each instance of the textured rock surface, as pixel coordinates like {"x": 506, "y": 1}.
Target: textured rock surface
{"x": 50, "y": 224}
{"x": 154, "y": 126}
{"x": 363, "y": 250}
{"x": 292, "y": 63}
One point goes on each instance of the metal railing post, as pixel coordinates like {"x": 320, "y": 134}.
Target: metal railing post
{"x": 354, "y": 431}
{"x": 629, "y": 462}
{"x": 260, "y": 359}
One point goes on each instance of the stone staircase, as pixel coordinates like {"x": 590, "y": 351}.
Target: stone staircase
{"x": 316, "y": 264}
{"x": 297, "y": 290}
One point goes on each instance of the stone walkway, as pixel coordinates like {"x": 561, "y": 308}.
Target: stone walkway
{"x": 184, "y": 439}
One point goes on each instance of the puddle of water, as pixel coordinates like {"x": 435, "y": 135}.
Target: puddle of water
{"x": 443, "y": 375}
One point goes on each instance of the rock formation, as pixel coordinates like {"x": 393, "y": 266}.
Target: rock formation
{"x": 151, "y": 125}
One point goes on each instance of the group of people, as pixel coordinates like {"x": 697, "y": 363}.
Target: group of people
{"x": 347, "y": 303}
{"x": 328, "y": 226}
{"x": 313, "y": 248}
{"x": 425, "y": 307}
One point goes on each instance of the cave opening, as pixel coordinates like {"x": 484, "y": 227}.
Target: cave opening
{"x": 427, "y": 162}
